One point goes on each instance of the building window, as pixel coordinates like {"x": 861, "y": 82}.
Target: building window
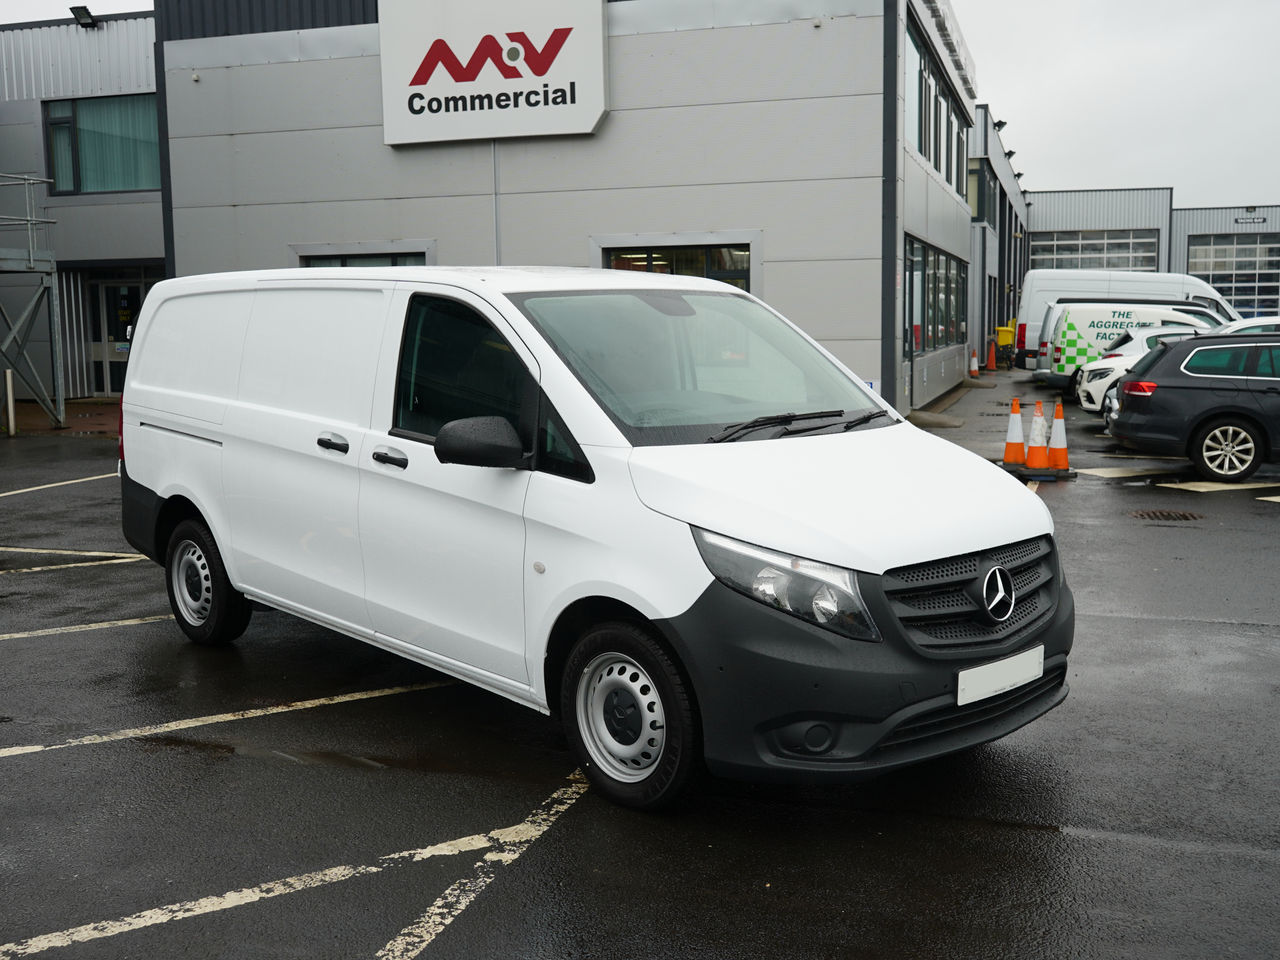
{"x": 364, "y": 260}
{"x": 103, "y": 144}
{"x": 934, "y": 121}
{"x": 1243, "y": 267}
{"x": 731, "y": 264}
{"x": 1096, "y": 250}
{"x": 935, "y": 310}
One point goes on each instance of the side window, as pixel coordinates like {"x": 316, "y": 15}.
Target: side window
{"x": 453, "y": 364}
{"x": 558, "y": 452}
{"x": 1269, "y": 361}
{"x": 1218, "y": 361}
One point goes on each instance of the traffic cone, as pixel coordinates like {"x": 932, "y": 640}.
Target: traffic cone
{"x": 1037, "y": 448}
{"x": 973, "y": 363}
{"x": 991, "y": 357}
{"x": 1058, "y": 441}
{"x": 1014, "y": 451}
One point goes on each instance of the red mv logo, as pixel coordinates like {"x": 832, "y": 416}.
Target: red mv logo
{"x": 489, "y": 50}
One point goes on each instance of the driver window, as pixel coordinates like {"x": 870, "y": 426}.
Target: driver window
{"x": 453, "y": 364}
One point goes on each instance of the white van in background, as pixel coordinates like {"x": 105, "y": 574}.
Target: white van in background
{"x": 645, "y": 503}
{"x": 1081, "y": 332}
{"x": 1041, "y": 288}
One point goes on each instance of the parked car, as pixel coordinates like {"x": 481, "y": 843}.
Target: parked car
{"x": 1121, "y": 354}
{"x": 647, "y": 504}
{"x": 1252, "y": 325}
{"x": 1214, "y": 398}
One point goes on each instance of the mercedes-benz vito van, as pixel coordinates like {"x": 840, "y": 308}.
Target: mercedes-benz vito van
{"x": 646, "y": 503}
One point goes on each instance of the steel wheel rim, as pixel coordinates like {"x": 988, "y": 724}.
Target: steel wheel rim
{"x": 1228, "y": 450}
{"x": 191, "y": 582}
{"x": 617, "y": 698}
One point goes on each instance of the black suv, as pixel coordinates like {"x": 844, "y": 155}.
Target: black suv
{"x": 1215, "y": 399}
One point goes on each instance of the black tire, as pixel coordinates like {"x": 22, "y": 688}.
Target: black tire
{"x": 1228, "y": 450}
{"x": 630, "y": 717}
{"x": 1073, "y": 387}
{"x": 208, "y": 609}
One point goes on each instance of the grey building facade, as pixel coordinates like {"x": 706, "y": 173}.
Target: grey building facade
{"x": 815, "y": 153}
{"x": 78, "y": 108}
{"x": 1234, "y": 249}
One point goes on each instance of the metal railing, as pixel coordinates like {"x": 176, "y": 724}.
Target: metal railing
{"x": 16, "y": 337}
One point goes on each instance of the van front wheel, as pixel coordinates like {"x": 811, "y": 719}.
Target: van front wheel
{"x": 630, "y": 717}
{"x": 206, "y": 606}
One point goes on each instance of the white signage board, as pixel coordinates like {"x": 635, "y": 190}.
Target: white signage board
{"x": 467, "y": 70}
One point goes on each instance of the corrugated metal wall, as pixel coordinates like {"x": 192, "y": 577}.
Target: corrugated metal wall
{"x": 191, "y": 19}
{"x": 66, "y": 60}
{"x": 1100, "y": 209}
{"x": 77, "y": 335}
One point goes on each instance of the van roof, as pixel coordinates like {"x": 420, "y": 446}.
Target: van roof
{"x": 503, "y": 280}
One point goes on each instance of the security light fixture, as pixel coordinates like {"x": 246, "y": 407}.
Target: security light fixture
{"x": 1008, "y": 154}
{"x": 1000, "y": 124}
{"x": 1017, "y": 176}
{"x": 84, "y": 18}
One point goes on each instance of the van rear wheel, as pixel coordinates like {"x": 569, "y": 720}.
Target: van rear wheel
{"x": 208, "y": 609}
{"x": 629, "y": 716}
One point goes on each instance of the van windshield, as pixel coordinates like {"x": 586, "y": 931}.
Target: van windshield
{"x": 682, "y": 366}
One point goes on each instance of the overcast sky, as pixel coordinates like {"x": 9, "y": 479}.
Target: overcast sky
{"x": 1097, "y": 93}
{"x": 1134, "y": 93}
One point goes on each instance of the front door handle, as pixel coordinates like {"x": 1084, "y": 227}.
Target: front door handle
{"x": 391, "y": 459}
{"x": 331, "y": 441}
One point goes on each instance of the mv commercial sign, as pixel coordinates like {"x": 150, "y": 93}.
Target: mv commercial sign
{"x": 467, "y": 70}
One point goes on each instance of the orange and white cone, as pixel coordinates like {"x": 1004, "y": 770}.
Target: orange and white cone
{"x": 1014, "y": 452}
{"x": 1058, "y": 459}
{"x": 1037, "y": 445}
{"x": 973, "y": 363}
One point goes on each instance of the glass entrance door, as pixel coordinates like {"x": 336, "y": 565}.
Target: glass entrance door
{"x": 118, "y": 306}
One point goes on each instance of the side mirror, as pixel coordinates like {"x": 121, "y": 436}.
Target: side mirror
{"x": 480, "y": 442}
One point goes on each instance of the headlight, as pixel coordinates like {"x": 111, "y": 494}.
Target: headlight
{"x": 821, "y": 594}
{"x": 1098, "y": 375}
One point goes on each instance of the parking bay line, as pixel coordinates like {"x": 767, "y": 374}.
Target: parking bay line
{"x": 505, "y": 845}
{"x": 510, "y": 843}
{"x": 69, "y": 566}
{"x": 81, "y": 627}
{"x": 221, "y": 718}
{"x": 62, "y": 483}
{"x": 54, "y": 552}
{"x": 1210, "y": 486}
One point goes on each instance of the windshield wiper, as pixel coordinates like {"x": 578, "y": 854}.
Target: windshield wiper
{"x": 735, "y": 430}
{"x": 846, "y": 425}
{"x": 865, "y": 418}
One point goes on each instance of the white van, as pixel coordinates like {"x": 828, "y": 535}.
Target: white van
{"x": 1041, "y": 288}
{"x": 645, "y": 503}
{"x": 1081, "y": 332}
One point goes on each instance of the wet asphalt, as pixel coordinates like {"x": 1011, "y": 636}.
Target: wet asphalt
{"x": 1137, "y": 820}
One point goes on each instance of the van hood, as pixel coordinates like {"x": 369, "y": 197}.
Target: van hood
{"x": 868, "y": 500}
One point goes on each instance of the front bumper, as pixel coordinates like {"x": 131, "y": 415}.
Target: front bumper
{"x": 782, "y": 700}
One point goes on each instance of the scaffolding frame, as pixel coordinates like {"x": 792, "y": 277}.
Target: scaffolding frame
{"x": 33, "y": 261}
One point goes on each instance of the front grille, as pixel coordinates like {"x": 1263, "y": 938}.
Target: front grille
{"x": 946, "y": 720}
{"x": 940, "y": 608}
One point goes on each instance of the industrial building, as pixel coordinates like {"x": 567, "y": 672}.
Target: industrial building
{"x": 827, "y": 155}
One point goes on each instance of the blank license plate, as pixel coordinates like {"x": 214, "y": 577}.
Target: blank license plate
{"x": 990, "y": 679}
